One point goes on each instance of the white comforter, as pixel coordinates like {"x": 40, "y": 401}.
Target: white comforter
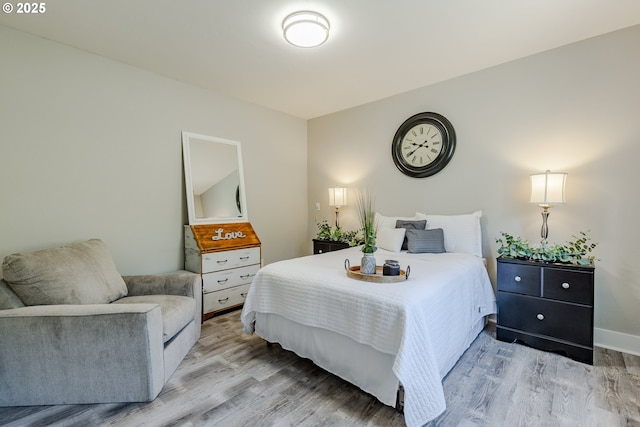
{"x": 422, "y": 321}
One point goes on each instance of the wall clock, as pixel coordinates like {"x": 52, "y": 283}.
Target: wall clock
{"x": 423, "y": 145}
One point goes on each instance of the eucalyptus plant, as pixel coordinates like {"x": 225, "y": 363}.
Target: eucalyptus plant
{"x": 577, "y": 251}
{"x": 337, "y": 234}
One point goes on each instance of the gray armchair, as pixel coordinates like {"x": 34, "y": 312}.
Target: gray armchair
{"x": 73, "y": 331}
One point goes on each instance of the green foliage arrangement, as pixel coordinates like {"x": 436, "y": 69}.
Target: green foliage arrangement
{"x": 577, "y": 251}
{"x": 366, "y": 213}
{"x": 327, "y": 232}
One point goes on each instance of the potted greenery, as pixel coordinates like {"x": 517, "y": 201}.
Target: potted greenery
{"x": 337, "y": 234}
{"x": 366, "y": 214}
{"x": 576, "y": 252}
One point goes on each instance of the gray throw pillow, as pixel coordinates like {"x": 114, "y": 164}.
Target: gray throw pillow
{"x": 425, "y": 241}
{"x": 77, "y": 273}
{"x": 410, "y": 225}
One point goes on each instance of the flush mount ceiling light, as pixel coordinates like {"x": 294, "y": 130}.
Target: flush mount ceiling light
{"x": 305, "y": 29}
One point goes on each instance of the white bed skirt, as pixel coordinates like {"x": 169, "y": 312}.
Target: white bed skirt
{"x": 359, "y": 364}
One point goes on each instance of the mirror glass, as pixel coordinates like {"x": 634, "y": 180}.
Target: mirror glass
{"x": 214, "y": 179}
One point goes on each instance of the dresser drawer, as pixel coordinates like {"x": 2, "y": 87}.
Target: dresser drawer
{"x": 521, "y": 279}
{"x": 571, "y": 286}
{"x": 221, "y": 300}
{"x": 569, "y": 322}
{"x": 216, "y": 261}
{"x": 322, "y": 246}
{"x": 228, "y": 278}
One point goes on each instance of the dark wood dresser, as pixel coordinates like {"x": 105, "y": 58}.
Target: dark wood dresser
{"x": 322, "y": 246}
{"x": 547, "y": 306}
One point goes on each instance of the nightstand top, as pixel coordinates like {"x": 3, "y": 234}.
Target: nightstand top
{"x": 545, "y": 264}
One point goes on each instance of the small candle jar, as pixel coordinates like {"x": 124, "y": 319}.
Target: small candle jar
{"x": 391, "y": 268}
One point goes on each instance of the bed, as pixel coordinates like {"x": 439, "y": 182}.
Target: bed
{"x": 378, "y": 336}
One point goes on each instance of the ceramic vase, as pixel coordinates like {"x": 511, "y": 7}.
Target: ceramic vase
{"x": 368, "y": 264}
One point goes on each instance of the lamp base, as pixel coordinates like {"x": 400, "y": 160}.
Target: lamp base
{"x": 544, "y": 231}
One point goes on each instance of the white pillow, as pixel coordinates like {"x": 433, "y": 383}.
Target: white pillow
{"x": 382, "y": 221}
{"x": 390, "y": 238}
{"x": 461, "y": 232}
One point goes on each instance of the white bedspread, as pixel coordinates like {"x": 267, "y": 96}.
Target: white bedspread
{"x": 445, "y": 295}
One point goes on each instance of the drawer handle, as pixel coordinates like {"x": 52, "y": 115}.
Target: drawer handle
{"x": 244, "y": 258}
{"x": 222, "y": 301}
{"x": 245, "y": 276}
{"x": 222, "y": 282}
{"x": 243, "y": 294}
{"x": 222, "y": 261}
{"x": 540, "y": 316}
{"x": 565, "y": 285}
{"x": 518, "y": 278}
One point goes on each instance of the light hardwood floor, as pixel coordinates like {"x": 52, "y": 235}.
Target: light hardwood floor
{"x": 233, "y": 379}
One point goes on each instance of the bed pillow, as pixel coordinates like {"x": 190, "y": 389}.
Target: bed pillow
{"x": 390, "y": 238}
{"x": 425, "y": 241}
{"x": 382, "y": 221}
{"x": 461, "y": 232}
{"x": 420, "y": 224}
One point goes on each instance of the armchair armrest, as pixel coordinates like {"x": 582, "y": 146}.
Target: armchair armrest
{"x": 181, "y": 282}
{"x": 59, "y": 354}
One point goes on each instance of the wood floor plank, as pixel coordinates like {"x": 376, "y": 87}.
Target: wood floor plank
{"x": 632, "y": 363}
{"x": 234, "y": 379}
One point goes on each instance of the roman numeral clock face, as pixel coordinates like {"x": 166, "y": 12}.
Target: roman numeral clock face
{"x": 423, "y": 145}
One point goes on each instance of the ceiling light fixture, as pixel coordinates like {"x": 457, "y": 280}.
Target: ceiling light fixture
{"x": 305, "y": 29}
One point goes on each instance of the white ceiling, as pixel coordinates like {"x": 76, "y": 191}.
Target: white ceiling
{"x": 377, "y": 48}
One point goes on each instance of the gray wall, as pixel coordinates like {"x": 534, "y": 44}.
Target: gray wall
{"x": 92, "y": 148}
{"x": 573, "y": 109}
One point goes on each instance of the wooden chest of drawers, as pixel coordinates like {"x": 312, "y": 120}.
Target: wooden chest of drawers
{"x": 547, "y": 306}
{"x": 227, "y": 256}
{"x": 322, "y": 246}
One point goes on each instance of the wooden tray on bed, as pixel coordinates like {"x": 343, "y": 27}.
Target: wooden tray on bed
{"x": 354, "y": 273}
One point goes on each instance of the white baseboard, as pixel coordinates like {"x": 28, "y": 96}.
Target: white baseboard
{"x": 616, "y": 341}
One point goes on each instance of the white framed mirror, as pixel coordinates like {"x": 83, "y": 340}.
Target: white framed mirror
{"x": 214, "y": 179}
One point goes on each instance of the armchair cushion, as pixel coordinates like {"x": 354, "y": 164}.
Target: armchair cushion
{"x": 177, "y": 311}
{"x": 77, "y": 273}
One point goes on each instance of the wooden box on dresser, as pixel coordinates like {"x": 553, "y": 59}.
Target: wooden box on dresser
{"x": 227, "y": 256}
{"x": 547, "y": 306}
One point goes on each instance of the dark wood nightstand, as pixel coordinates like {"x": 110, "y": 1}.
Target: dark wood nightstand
{"x": 322, "y": 246}
{"x": 547, "y": 306}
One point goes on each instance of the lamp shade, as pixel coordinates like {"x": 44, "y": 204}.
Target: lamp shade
{"x": 305, "y": 29}
{"x": 548, "y": 188}
{"x": 337, "y": 196}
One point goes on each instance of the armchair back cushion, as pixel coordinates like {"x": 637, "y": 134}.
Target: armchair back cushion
{"x": 78, "y": 273}
{"x": 8, "y": 298}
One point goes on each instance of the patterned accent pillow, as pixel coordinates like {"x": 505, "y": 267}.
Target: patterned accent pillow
{"x": 410, "y": 225}
{"x": 425, "y": 241}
